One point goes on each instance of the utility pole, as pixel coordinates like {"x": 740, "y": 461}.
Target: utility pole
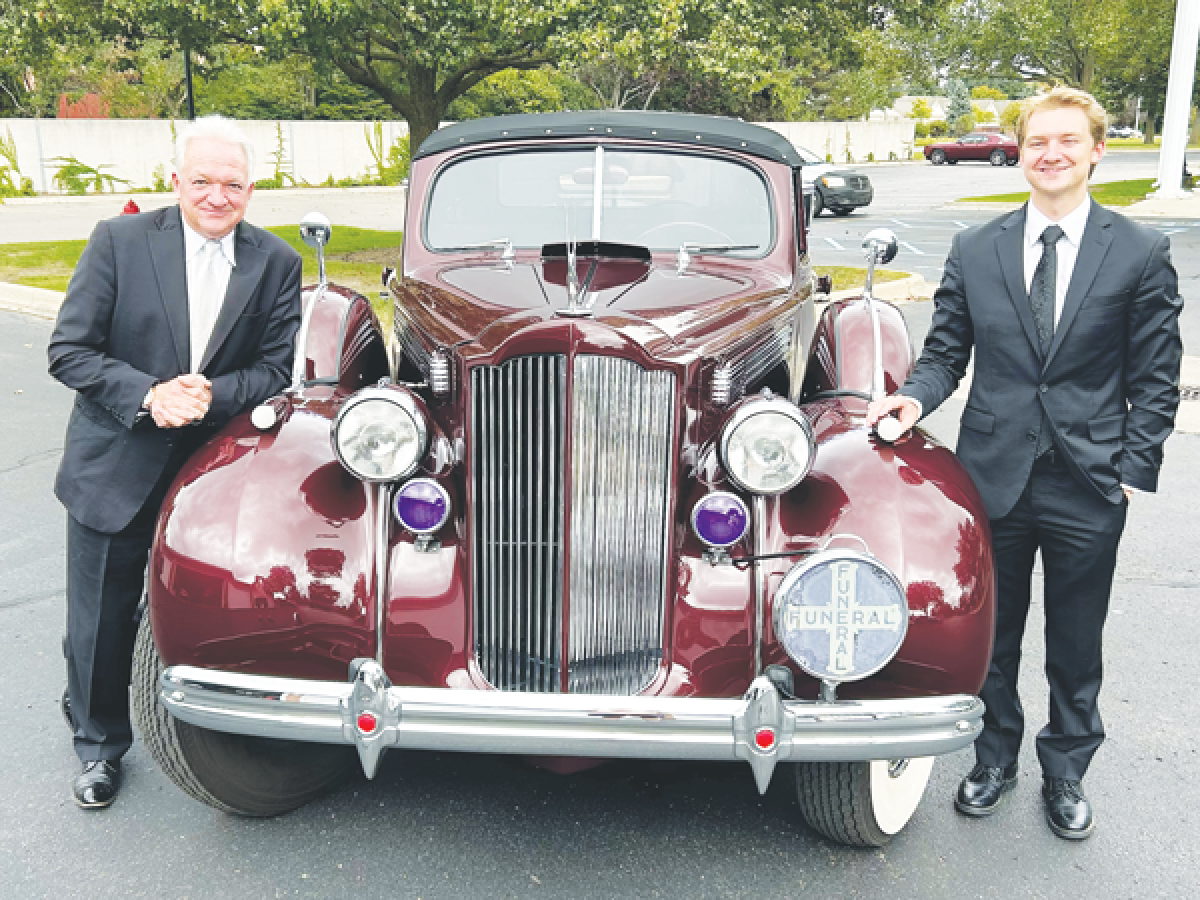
{"x": 187, "y": 81}
{"x": 1179, "y": 100}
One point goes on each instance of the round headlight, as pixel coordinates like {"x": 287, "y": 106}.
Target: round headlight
{"x": 720, "y": 519}
{"x": 380, "y": 435}
{"x": 768, "y": 446}
{"x": 422, "y": 506}
{"x": 841, "y": 615}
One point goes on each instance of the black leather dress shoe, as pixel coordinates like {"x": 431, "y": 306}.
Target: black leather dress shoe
{"x": 980, "y": 792}
{"x": 96, "y": 786}
{"x": 1068, "y": 812}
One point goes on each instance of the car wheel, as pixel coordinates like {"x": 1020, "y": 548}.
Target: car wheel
{"x": 937, "y": 157}
{"x": 841, "y": 211}
{"x": 998, "y": 158}
{"x": 231, "y": 772}
{"x": 818, "y": 204}
{"x": 1014, "y": 161}
{"x": 863, "y": 804}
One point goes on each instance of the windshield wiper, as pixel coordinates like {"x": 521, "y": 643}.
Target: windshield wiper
{"x": 683, "y": 258}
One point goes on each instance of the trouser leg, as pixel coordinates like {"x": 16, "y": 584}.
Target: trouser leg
{"x": 105, "y": 577}
{"x": 1014, "y": 543}
{"x": 105, "y": 580}
{"x": 1080, "y": 532}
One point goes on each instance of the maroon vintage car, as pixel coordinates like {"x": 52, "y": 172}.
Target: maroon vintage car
{"x": 998, "y": 149}
{"x": 607, "y": 492}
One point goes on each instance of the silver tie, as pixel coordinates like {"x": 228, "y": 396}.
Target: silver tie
{"x": 204, "y": 299}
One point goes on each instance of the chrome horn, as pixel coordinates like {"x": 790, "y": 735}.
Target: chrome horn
{"x": 879, "y": 246}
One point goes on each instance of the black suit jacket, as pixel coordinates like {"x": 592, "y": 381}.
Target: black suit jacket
{"x": 1109, "y": 384}
{"x": 124, "y": 326}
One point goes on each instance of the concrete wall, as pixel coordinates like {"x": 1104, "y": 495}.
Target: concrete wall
{"x": 133, "y": 148}
{"x": 834, "y": 140}
{"x": 313, "y": 151}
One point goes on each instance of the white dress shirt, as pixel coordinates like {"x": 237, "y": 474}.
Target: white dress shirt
{"x": 206, "y": 286}
{"x": 1072, "y": 225}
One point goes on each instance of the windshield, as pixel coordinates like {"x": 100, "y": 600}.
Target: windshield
{"x": 807, "y": 157}
{"x": 653, "y": 199}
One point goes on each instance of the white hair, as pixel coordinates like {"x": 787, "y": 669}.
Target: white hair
{"x": 214, "y": 128}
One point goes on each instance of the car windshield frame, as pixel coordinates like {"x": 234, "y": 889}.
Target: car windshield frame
{"x": 763, "y": 248}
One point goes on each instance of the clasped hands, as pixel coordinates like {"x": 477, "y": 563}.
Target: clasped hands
{"x": 181, "y": 401}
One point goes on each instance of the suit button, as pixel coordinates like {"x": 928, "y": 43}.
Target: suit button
{"x": 1031, "y": 436}
{"x": 1042, "y": 388}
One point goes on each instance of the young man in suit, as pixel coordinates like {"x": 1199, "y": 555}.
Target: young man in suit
{"x": 174, "y": 321}
{"x": 1072, "y": 312}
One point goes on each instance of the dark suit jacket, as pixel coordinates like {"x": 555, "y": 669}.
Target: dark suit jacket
{"x": 123, "y": 326}
{"x": 1110, "y": 383}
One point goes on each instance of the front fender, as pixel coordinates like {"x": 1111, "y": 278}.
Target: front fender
{"x": 262, "y": 556}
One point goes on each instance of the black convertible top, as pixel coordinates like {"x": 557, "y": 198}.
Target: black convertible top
{"x": 689, "y": 128}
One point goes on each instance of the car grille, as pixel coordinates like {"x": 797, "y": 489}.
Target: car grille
{"x": 609, "y": 635}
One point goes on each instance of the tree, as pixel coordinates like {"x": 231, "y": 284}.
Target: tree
{"x": 920, "y": 109}
{"x": 960, "y": 104}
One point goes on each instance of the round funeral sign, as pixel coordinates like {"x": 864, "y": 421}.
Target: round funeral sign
{"x": 841, "y": 615}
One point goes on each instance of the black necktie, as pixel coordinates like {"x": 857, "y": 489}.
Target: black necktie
{"x": 1043, "y": 289}
{"x": 1041, "y": 301}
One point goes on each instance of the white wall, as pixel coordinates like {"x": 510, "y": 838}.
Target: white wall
{"x": 133, "y": 148}
{"x": 833, "y": 139}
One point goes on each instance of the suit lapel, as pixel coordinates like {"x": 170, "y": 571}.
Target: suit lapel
{"x": 251, "y": 263}
{"x": 1092, "y": 248}
{"x": 170, "y": 271}
{"x": 1010, "y": 247}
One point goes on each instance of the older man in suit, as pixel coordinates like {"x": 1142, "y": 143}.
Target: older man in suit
{"x": 174, "y": 321}
{"x": 1072, "y": 312}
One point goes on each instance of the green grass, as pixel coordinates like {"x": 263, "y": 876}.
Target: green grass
{"x": 846, "y": 277}
{"x": 1114, "y": 193}
{"x": 354, "y": 259}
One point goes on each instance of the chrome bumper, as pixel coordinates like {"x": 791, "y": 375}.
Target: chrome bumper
{"x": 761, "y": 727}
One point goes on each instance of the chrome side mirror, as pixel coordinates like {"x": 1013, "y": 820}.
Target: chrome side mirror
{"x": 879, "y": 246}
{"x": 316, "y": 231}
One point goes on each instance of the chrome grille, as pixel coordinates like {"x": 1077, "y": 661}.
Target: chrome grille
{"x": 621, "y": 432}
{"x": 620, "y": 461}
{"x": 517, "y": 435}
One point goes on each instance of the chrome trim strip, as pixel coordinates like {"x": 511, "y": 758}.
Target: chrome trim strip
{"x": 569, "y": 724}
{"x": 381, "y": 497}
{"x": 760, "y": 578}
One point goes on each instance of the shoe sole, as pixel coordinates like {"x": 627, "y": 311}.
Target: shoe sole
{"x": 980, "y": 812}
{"x": 83, "y": 805}
{"x": 1069, "y": 834}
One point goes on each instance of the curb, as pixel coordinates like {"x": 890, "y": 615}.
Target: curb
{"x": 903, "y": 290}
{"x": 31, "y": 301}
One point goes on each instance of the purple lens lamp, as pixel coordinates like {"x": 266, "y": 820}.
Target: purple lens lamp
{"x": 720, "y": 519}
{"x": 422, "y": 506}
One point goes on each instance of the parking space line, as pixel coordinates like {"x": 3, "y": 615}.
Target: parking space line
{"x": 912, "y": 249}
{"x": 961, "y": 224}
{"x": 901, "y": 224}
{"x": 834, "y": 244}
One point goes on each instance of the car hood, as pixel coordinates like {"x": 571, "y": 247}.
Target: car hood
{"x": 813, "y": 172}
{"x": 648, "y": 302}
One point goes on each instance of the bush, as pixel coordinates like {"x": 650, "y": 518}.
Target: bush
{"x": 921, "y": 130}
{"x": 938, "y": 129}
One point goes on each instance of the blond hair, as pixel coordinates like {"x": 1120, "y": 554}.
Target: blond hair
{"x": 1063, "y": 97}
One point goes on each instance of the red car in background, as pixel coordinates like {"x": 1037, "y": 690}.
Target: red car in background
{"x": 998, "y": 149}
